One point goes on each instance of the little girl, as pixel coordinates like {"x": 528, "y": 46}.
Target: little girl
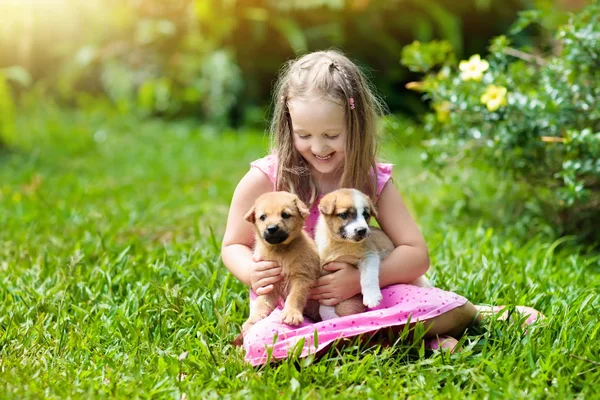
{"x": 324, "y": 132}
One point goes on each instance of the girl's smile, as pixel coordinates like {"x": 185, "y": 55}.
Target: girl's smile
{"x": 325, "y": 158}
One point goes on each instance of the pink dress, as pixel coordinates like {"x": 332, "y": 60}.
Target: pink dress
{"x": 400, "y": 302}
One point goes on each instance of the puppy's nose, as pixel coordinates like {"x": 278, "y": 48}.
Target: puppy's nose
{"x": 272, "y": 229}
{"x": 361, "y": 232}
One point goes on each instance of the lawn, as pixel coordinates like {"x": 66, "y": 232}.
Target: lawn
{"x": 112, "y": 286}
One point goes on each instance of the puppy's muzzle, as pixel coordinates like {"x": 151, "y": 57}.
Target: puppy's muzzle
{"x": 357, "y": 234}
{"x": 361, "y": 232}
{"x": 274, "y": 235}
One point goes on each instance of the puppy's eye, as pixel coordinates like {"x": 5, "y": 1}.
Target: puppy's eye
{"x": 343, "y": 215}
{"x": 366, "y": 215}
{"x": 285, "y": 215}
{"x": 262, "y": 217}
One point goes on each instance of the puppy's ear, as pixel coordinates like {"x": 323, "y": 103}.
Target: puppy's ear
{"x": 304, "y": 211}
{"x": 250, "y": 215}
{"x": 327, "y": 204}
{"x": 373, "y": 209}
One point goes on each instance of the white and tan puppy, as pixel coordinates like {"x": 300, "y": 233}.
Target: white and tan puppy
{"x": 278, "y": 219}
{"x": 343, "y": 234}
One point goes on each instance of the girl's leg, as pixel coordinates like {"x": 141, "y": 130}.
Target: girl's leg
{"x": 502, "y": 313}
{"x": 440, "y": 331}
{"x": 442, "y": 343}
{"x": 469, "y": 314}
{"x": 452, "y": 323}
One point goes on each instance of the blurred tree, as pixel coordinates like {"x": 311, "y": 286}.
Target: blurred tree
{"x": 216, "y": 59}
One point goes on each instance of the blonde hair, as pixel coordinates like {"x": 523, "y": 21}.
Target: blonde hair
{"x": 332, "y": 75}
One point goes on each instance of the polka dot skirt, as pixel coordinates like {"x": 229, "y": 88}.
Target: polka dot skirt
{"x": 400, "y": 302}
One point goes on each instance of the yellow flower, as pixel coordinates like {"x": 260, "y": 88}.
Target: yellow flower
{"x": 473, "y": 69}
{"x": 442, "y": 111}
{"x": 494, "y": 97}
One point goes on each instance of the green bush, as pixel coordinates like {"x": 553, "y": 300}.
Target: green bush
{"x": 535, "y": 116}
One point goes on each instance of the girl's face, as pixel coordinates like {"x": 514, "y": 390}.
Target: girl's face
{"x": 319, "y": 128}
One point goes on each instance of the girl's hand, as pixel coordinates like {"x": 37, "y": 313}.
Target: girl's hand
{"x": 342, "y": 283}
{"x": 263, "y": 274}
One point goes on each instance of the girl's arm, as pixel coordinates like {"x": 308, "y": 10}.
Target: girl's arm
{"x": 410, "y": 259}
{"x": 236, "y": 249}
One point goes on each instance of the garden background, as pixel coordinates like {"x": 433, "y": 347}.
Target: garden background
{"x": 125, "y": 126}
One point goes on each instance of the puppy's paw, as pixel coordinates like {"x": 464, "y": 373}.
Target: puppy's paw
{"x": 247, "y": 325}
{"x": 251, "y": 321}
{"x": 372, "y": 299}
{"x": 291, "y": 317}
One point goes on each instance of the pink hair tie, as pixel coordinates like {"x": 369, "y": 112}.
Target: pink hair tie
{"x": 351, "y": 101}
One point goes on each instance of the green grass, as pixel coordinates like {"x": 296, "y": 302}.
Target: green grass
{"x": 109, "y": 239}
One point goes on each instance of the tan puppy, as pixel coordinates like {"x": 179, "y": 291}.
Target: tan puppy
{"x": 343, "y": 234}
{"x": 278, "y": 219}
